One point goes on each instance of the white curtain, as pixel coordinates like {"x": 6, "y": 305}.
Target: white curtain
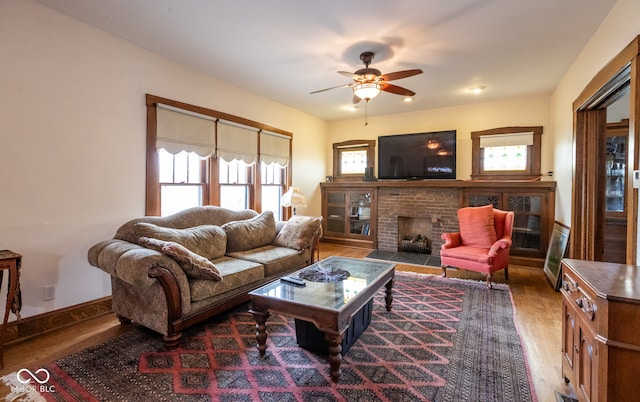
{"x": 236, "y": 142}
{"x": 274, "y": 148}
{"x": 184, "y": 131}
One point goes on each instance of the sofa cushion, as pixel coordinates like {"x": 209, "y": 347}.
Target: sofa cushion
{"x": 209, "y": 241}
{"x": 194, "y": 265}
{"x": 477, "y": 228}
{"x": 250, "y": 233}
{"x": 236, "y": 274}
{"x": 276, "y": 260}
{"x": 298, "y": 232}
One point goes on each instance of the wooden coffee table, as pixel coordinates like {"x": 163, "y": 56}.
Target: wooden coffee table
{"x": 330, "y": 306}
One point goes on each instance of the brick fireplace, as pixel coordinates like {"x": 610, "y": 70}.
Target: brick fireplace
{"x": 435, "y": 205}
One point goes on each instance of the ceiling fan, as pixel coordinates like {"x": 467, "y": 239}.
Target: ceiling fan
{"x": 368, "y": 82}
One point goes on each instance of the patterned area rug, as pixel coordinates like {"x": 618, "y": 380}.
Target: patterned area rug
{"x": 444, "y": 340}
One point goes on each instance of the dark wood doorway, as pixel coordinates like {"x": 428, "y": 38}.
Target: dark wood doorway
{"x": 618, "y": 78}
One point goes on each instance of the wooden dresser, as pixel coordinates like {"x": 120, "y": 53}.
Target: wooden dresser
{"x": 601, "y": 329}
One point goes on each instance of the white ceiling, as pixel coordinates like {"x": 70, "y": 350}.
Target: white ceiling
{"x": 285, "y": 49}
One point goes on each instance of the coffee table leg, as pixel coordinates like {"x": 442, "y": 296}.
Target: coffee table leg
{"x": 334, "y": 342}
{"x": 261, "y": 330}
{"x": 389, "y": 295}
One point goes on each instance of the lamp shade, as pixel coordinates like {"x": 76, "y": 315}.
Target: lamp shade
{"x": 367, "y": 90}
{"x": 293, "y": 198}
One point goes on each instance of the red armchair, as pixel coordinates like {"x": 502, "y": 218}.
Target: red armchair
{"x": 482, "y": 244}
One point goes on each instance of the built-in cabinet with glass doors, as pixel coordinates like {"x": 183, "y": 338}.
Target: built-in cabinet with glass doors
{"x": 614, "y": 236}
{"x": 350, "y": 217}
{"x": 533, "y": 205}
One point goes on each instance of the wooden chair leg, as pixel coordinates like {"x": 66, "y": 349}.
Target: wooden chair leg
{"x": 171, "y": 342}
{"x": 489, "y": 285}
{"x": 506, "y": 273}
{"x": 444, "y": 270}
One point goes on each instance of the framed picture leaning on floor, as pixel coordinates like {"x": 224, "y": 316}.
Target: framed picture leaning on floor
{"x": 555, "y": 253}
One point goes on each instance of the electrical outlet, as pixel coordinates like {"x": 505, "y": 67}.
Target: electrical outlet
{"x": 49, "y": 292}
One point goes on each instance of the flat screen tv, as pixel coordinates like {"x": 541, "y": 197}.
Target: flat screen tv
{"x": 417, "y": 156}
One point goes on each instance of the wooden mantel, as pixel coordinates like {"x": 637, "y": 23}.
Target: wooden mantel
{"x": 460, "y": 184}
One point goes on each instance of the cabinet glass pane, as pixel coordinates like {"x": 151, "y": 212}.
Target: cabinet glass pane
{"x": 360, "y": 214}
{"x": 527, "y": 221}
{"x": 336, "y": 198}
{"x": 481, "y": 200}
{"x": 615, "y": 171}
{"x": 335, "y": 219}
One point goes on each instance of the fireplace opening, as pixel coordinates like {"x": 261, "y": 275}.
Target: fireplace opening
{"x": 414, "y": 234}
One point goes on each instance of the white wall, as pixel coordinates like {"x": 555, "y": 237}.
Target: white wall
{"x": 615, "y": 33}
{"x": 531, "y": 111}
{"x": 72, "y": 135}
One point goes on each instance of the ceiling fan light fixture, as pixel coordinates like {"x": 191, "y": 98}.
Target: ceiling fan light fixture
{"x": 477, "y": 89}
{"x": 433, "y": 143}
{"x": 367, "y": 90}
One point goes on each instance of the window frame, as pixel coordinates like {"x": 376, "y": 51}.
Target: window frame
{"x": 212, "y": 189}
{"x": 351, "y": 145}
{"x": 534, "y": 151}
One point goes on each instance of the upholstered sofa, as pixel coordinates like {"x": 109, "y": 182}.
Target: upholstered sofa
{"x": 168, "y": 273}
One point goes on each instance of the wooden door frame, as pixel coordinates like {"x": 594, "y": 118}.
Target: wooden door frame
{"x": 589, "y": 122}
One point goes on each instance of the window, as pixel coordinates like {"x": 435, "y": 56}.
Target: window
{"x": 508, "y": 153}
{"x": 235, "y": 179}
{"x": 504, "y": 158}
{"x": 273, "y": 186}
{"x": 198, "y": 156}
{"x": 352, "y": 158}
{"x": 182, "y": 181}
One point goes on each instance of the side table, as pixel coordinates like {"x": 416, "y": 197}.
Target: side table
{"x": 10, "y": 261}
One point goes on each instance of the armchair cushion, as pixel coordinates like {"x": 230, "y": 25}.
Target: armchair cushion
{"x": 194, "y": 265}
{"x": 477, "y": 228}
{"x": 250, "y": 233}
{"x": 298, "y": 232}
{"x": 209, "y": 241}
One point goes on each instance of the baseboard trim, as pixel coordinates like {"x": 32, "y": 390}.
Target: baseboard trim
{"x": 30, "y": 327}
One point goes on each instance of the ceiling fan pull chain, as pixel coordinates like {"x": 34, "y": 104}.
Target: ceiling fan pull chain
{"x": 366, "y": 104}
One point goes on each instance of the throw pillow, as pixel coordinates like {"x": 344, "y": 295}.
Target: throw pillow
{"x": 209, "y": 241}
{"x": 194, "y": 265}
{"x": 250, "y": 233}
{"x": 476, "y": 226}
{"x": 298, "y": 232}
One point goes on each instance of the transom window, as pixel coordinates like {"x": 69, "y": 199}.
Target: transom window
{"x": 507, "y": 153}
{"x": 352, "y": 158}
{"x": 504, "y": 158}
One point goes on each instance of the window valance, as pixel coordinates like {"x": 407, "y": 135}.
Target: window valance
{"x": 237, "y": 142}
{"x": 274, "y": 148}
{"x": 190, "y": 132}
{"x": 500, "y": 140}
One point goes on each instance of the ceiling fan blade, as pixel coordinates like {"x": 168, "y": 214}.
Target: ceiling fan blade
{"x": 353, "y": 76}
{"x": 327, "y": 89}
{"x": 394, "y": 89}
{"x": 356, "y": 99}
{"x": 346, "y": 74}
{"x": 400, "y": 74}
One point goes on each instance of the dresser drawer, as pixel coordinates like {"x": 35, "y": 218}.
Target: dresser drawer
{"x": 579, "y": 295}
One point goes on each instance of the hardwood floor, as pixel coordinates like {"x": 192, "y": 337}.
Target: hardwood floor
{"x": 538, "y": 318}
